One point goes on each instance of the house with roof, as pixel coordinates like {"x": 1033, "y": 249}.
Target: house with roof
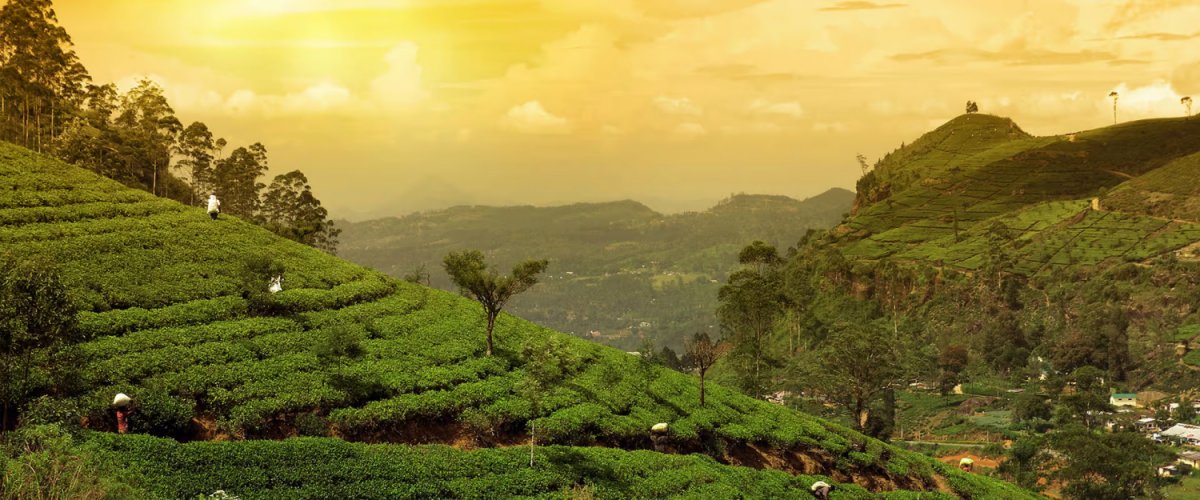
{"x": 1123, "y": 399}
{"x": 1148, "y": 424}
{"x": 1167, "y": 471}
{"x": 1190, "y": 459}
{"x": 1183, "y": 433}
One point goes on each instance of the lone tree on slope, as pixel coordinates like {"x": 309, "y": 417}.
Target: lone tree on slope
{"x": 475, "y": 279}
{"x": 1114, "y": 95}
{"x": 1186, "y": 101}
{"x": 704, "y": 353}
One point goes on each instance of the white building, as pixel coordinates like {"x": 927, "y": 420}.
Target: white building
{"x": 1188, "y": 434}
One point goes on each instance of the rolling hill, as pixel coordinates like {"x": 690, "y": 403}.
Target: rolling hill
{"x": 945, "y": 201}
{"x": 619, "y": 271}
{"x": 1085, "y": 243}
{"x": 344, "y": 353}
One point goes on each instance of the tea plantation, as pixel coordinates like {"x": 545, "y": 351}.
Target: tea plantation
{"x": 345, "y": 352}
{"x": 954, "y": 200}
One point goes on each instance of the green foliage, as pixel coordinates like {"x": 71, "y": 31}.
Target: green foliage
{"x": 311, "y": 425}
{"x": 37, "y": 321}
{"x": 750, "y": 304}
{"x": 637, "y": 266}
{"x": 43, "y": 462}
{"x": 158, "y": 413}
{"x": 1107, "y": 465}
{"x": 324, "y": 468}
{"x": 46, "y": 410}
{"x": 1031, "y": 407}
{"x": 854, "y": 367}
{"x": 161, "y": 292}
{"x": 470, "y": 273}
{"x": 289, "y": 209}
{"x": 341, "y": 343}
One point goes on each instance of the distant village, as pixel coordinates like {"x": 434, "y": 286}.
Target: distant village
{"x": 1152, "y": 413}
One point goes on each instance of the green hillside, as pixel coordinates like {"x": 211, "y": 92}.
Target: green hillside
{"x": 1036, "y": 275}
{"x": 1172, "y": 191}
{"x": 1039, "y": 191}
{"x": 344, "y": 352}
{"x": 618, "y": 269}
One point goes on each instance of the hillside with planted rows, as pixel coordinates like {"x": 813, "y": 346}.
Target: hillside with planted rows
{"x": 344, "y": 353}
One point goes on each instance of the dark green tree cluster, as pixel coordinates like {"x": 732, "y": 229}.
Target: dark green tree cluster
{"x": 42, "y": 81}
{"x": 751, "y": 303}
{"x": 796, "y": 324}
{"x": 37, "y": 328}
{"x": 290, "y": 210}
{"x": 49, "y": 103}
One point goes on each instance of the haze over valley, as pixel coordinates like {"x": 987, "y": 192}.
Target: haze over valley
{"x": 599, "y": 249}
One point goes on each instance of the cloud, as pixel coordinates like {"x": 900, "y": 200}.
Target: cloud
{"x": 678, "y": 106}
{"x": 1017, "y": 57}
{"x": 830, "y": 127}
{"x": 1160, "y": 37}
{"x": 1134, "y": 11}
{"x": 532, "y": 118}
{"x": 1127, "y": 62}
{"x": 744, "y": 72}
{"x": 400, "y": 85}
{"x": 1147, "y": 101}
{"x": 683, "y": 9}
{"x": 689, "y": 130}
{"x": 1186, "y": 78}
{"x": 791, "y": 109}
{"x": 860, "y": 5}
{"x": 314, "y": 99}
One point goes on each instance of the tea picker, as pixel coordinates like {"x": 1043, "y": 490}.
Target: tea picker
{"x": 657, "y": 433}
{"x": 214, "y": 206}
{"x": 276, "y": 284}
{"x": 821, "y": 489}
{"x": 122, "y": 404}
{"x": 966, "y": 464}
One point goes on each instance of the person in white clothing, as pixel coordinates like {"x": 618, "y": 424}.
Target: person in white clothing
{"x": 214, "y": 206}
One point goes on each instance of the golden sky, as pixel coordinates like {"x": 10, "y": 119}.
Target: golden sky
{"x": 390, "y": 105}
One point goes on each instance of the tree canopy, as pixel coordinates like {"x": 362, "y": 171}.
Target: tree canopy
{"x": 474, "y": 278}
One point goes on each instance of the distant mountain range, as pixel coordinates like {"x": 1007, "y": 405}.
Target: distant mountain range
{"x": 620, "y": 271}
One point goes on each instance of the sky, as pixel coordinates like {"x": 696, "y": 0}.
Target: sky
{"x": 391, "y": 106}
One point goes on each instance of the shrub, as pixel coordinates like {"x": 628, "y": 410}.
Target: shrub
{"x": 46, "y": 464}
{"x": 44, "y": 410}
{"x": 311, "y": 424}
{"x": 160, "y": 414}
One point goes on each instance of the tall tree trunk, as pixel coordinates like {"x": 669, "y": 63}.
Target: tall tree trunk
{"x": 491, "y": 323}
{"x": 153, "y": 176}
{"x": 757, "y": 363}
{"x": 38, "y": 129}
{"x": 702, "y": 387}
{"x": 25, "y": 122}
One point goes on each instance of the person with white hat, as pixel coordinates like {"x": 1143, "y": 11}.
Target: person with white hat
{"x": 121, "y": 402}
{"x": 821, "y": 489}
{"x": 214, "y": 206}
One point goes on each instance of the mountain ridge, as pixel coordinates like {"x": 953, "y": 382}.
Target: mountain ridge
{"x": 647, "y": 276}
